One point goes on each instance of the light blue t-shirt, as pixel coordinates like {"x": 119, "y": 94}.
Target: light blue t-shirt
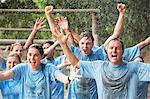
{"x": 57, "y": 87}
{"x": 86, "y": 87}
{"x": 116, "y": 82}
{"x": 36, "y": 84}
{"x": 11, "y": 89}
{"x": 142, "y": 90}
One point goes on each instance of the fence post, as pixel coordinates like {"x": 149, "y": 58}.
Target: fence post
{"x": 94, "y": 30}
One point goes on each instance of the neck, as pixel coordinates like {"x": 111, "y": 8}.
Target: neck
{"x": 35, "y": 68}
{"x": 116, "y": 63}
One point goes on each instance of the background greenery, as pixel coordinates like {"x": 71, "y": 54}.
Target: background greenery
{"x": 137, "y": 26}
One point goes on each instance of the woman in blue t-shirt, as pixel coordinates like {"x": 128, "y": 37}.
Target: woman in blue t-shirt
{"x": 35, "y": 76}
{"x": 10, "y": 89}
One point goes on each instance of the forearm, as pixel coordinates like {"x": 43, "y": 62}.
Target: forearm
{"x": 119, "y": 26}
{"x": 51, "y": 21}
{"x": 51, "y": 48}
{"x": 70, "y": 56}
{"x": 118, "y": 29}
{"x": 30, "y": 39}
{"x": 144, "y": 43}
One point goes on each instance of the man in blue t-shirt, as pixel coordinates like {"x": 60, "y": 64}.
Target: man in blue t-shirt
{"x": 86, "y": 51}
{"x": 115, "y": 78}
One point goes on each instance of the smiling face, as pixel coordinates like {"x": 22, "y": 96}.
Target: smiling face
{"x": 115, "y": 52}
{"x": 12, "y": 61}
{"x": 17, "y": 49}
{"x": 86, "y": 45}
{"x": 34, "y": 58}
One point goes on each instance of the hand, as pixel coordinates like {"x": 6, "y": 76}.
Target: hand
{"x": 63, "y": 23}
{"x": 62, "y": 39}
{"x": 48, "y": 10}
{"x": 39, "y": 24}
{"x": 121, "y": 8}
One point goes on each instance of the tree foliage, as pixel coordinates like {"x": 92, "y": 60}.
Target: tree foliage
{"x": 137, "y": 26}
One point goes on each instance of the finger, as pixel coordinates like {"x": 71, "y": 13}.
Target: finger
{"x": 41, "y": 18}
{"x": 37, "y": 20}
{"x": 43, "y": 21}
{"x": 43, "y": 26}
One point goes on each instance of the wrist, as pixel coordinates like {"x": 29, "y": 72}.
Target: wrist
{"x": 122, "y": 14}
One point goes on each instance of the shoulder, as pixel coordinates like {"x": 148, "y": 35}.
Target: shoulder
{"x": 49, "y": 66}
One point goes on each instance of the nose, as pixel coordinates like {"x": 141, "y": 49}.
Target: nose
{"x": 84, "y": 46}
{"x": 31, "y": 57}
{"x": 114, "y": 49}
{"x": 12, "y": 65}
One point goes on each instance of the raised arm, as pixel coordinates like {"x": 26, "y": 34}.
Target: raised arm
{"x": 63, "y": 43}
{"x": 39, "y": 24}
{"x": 51, "y": 21}
{"x": 74, "y": 37}
{"x": 120, "y": 23}
{"x": 144, "y": 43}
{"x": 51, "y": 48}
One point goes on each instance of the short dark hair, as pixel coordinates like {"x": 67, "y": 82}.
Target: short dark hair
{"x": 87, "y": 34}
{"x": 38, "y": 47}
{"x": 14, "y": 55}
{"x": 117, "y": 39}
{"x": 49, "y": 42}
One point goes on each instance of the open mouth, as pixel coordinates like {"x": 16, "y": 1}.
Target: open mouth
{"x": 114, "y": 56}
{"x": 32, "y": 63}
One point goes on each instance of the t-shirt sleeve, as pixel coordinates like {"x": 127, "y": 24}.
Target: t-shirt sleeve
{"x": 90, "y": 68}
{"x": 131, "y": 53}
{"x": 18, "y": 70}
{"x": 103, "y": 53}
{"x": 75, "y": 50}
{"x": 143, "y": 71}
